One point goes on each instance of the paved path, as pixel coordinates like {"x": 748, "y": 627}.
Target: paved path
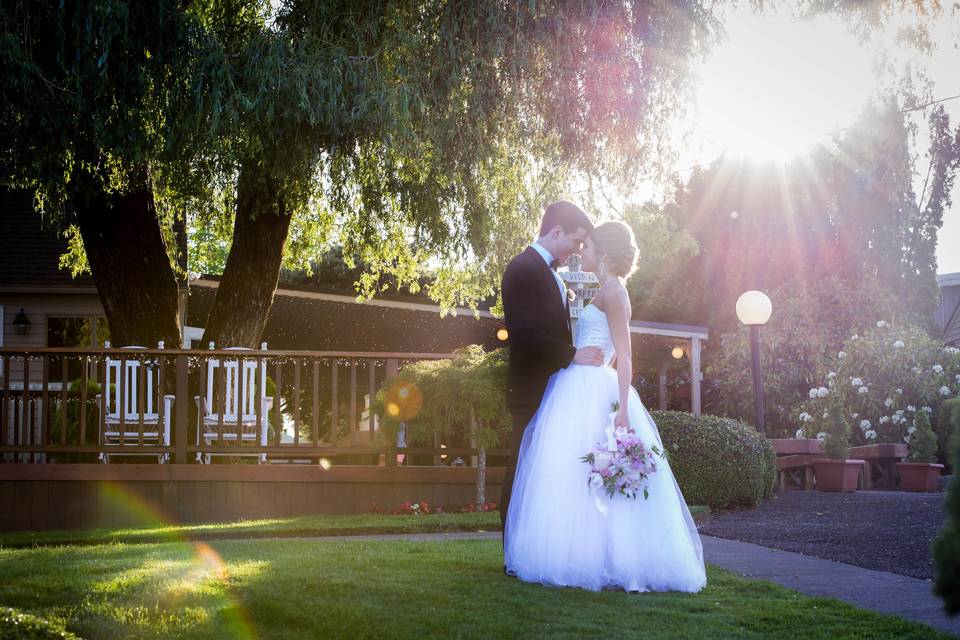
{"x": 910, "y": 598}
{"x": 882, "y": 530}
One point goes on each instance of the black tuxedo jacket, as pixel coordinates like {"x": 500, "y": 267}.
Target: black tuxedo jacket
{"x": 538, "y": 327}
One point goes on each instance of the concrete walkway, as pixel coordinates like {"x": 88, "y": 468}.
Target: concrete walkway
{"x": 909, "y": 598}
{"x": 903, "y": 596}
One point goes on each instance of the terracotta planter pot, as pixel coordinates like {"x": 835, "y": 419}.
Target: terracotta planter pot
{"x": 837, "y": 475}
{"x": 918, "y": 476}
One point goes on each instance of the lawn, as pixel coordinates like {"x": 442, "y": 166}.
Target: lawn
{"x": 322, "y": 525}
{"x": 294, "y": 588}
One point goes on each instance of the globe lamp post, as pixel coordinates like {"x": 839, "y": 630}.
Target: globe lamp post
{"x": 753, "y": 310}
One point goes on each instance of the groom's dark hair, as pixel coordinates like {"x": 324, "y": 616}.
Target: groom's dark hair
{"x": 567, "y": 215}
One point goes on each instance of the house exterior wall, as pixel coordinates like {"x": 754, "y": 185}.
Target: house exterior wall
{"x": 39, "y": 308}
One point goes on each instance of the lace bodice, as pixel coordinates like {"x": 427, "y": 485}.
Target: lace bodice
{"x": 594, "y": 331}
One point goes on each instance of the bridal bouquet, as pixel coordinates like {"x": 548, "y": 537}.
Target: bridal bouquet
{"x": 621, "y": 465}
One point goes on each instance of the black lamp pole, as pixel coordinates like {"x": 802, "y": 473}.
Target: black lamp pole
{"x": 757, "y": 381}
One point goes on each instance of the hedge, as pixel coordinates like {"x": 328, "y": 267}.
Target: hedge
{"x": 719, "y": 462}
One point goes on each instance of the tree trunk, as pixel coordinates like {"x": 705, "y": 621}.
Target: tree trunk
{"x": 129, "y": 263}
{"x": 481, "y": 464}
{"x": 249, "y": 280}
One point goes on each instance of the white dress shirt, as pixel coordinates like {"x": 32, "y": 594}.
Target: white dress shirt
{"x": 548, "y": 258}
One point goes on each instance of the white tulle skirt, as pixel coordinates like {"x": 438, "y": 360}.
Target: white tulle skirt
{"x": 557, "y": 535}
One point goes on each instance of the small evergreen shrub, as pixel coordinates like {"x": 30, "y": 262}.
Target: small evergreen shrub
{"x": 946, "y": 548}
{"x": 718, "y": 462}
{"x": 923, "y": 442}
{"x": 837, "y": 444}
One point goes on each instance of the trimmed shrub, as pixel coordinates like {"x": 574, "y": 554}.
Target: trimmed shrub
{"x": 837, "y": 443}
{"x": 718, "y": 462}
{"x": 946, "y": 548}
{"x": 923, "y": 443}
{"x": 16, "y": 625}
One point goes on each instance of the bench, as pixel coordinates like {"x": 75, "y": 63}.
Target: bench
{"x": 881, "y": 460}
{"x": 796, "y": 471}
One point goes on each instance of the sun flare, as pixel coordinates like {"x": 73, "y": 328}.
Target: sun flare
{"x": 779, "y": 85}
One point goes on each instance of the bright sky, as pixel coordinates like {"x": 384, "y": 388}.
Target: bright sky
{"x": 779, "y": 84}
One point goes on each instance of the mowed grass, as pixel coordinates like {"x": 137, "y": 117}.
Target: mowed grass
{"x": 321, "y": 525}
{"x": 307, "y": 526}
{"x": 387, "y": 589}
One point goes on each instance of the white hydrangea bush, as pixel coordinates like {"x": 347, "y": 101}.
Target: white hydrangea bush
{"x": 882, "y": 379}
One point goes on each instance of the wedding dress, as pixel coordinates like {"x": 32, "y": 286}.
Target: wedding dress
{"x": 559, "y": 533}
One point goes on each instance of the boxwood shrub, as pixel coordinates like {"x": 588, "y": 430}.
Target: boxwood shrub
{"x": 16, "y": 625}
{"x": 719, "y": 462}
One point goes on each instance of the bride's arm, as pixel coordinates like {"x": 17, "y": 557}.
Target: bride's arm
{"x": 618, "y": 315}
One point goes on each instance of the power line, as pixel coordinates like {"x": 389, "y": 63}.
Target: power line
{"x": 835, "y": 131}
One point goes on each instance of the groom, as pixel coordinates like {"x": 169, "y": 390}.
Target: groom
{"x": 537, "y": 313}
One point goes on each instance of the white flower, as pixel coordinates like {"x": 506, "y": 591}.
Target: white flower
{"x": 899, "y": 390}
{"x": 912, "y": 429}
{"x": 826, "y": 414}
{"x": 854, "y": 415}
{"x": 910, "y": 407}
{"x": 906, "y": 439}
{"x": 854, "y": 337}
{"x": 888, "y": 402}
{"x": 596, "y": 481}
{"x": 842, "y": 355}
{"x": 832, "y": 375}
{"x": 806, "y": 417}
{"x": 856, "y": 382}
{"x": 798, "y": 434}
{"x": 863, "y": 390}
{"x": 884, "y": 419}
{"x": 951, "y": 350}
{"x": 898, "y": 344}
{"x": 936, "y": 368}
{"x": 944, "y": 390}
{"x": 881, "y": 324}
{"x": 823, "y": 392}
{"x": 865, "y": 424}
{"x": 822, "y": 436}
{"x": 917, "y": 370}
{"x": 927, "y": 409}
{"x": 870, "y": 434}
{"x": 813, "y": 393}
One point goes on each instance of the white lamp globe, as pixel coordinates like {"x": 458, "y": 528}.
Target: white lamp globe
{"x": 677, "y": 353}
{"x": 754, "y": 308}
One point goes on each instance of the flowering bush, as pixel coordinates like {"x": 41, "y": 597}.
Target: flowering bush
{"x": 882, "y": 380}
{"x": 621, "y": 463}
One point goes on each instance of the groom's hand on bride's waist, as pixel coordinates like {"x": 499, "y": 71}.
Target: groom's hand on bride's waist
{"x": 591, "y": 356}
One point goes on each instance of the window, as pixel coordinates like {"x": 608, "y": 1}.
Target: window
{"x": 74, "y": 333}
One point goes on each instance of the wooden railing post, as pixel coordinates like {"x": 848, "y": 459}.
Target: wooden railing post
{"x": 180, "y": 410}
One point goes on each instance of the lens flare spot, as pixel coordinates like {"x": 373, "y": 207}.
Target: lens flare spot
{"x": 324, "y": 464}
{"x": 403, "y": 400}
{"x": 502, "y": 335}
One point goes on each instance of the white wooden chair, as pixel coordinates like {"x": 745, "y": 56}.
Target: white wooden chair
{"x": 246, "y": 379}
{"x": 115, "y": 398}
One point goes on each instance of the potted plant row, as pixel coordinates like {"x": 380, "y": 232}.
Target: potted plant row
{"x": 920, "y": 472}
{"x": 836, "y": 472}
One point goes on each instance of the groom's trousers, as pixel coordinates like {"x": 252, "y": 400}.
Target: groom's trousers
{"x": 521, "y": 417}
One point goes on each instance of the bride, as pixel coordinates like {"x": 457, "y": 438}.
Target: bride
{"x": 563, "y": 534}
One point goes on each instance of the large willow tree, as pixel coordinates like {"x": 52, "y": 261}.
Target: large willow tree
{"x": 407, "y": 132}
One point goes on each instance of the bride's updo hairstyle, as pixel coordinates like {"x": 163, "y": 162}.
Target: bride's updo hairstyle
{"x": 615, "y": 244}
